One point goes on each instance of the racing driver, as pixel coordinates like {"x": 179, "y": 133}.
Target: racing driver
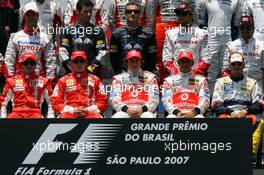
{"x": 185, "y": 95}
{"x": 30, "y": 39}
{"x": 237, "y": 95}
{"x": 79, "y": 94}
{"x": 84, "y": 36}
{"x": 186, "y": 36}
{"x": 134, "y": 92}
{"x": 27, "y": 91}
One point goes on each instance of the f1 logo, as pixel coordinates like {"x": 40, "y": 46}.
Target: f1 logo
{"x": 50, "y": 133}
{"x": 93, "y": 135}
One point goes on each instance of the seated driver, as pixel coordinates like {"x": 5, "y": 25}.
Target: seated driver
{"x": 237, "y": 95}
{"x": 185, "y": 95}
{"x": 135, "y": 92}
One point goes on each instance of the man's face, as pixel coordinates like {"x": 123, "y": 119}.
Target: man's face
{"x": 31, "y": 18}
{"x": 40, "y": 1}
{"x": 134, "y": 64}
{"x": 85, "y": 14}
{"x": 237, "y": 69}
{"x": 78, "y": 65}
{"x": 28, "y": 66}
{"x": 246, "y": 30}
{"x": 133, "y": 13}
{"x": 184, "y": 17}
{"x": 185, "y": 65}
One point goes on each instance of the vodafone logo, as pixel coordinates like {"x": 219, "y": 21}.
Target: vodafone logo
{"x": 184, "y": 96}
{"x": 134, "y": 93}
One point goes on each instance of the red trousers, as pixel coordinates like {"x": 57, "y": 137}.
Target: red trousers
{"x": 25, "y": 113}
{"x": 161, "y": 28}
{"x": 69, "y": 115}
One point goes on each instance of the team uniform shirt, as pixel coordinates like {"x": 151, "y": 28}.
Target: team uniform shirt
{"x": 123, "y": 36}
{"x": 135, "y": 91}
{"x": 99, "y": 14}
{"x": 79, "y": 90}
{"x": 117, "y": 16}
{"x": 217, "y": 16}
{"x": 38, "y": 43}
{"x": 255, "y": 8}
{"x": 253, "y": 55}
{"x": 185, "y": 92}
{"x": 236, "y": 95}
{"x": 27, "y": 93}
{"x": 160, "y": 11}
{"x": 179, "y": 39}
{"x": 90, "y": 39}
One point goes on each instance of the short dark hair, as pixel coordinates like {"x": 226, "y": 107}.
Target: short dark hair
{"x": 81, "y": 3}
{"x": 134, "y": 3}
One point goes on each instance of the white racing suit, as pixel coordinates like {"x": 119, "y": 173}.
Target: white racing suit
{"x": 40, "y": 44}
{"x": 50, "y": 19}
{"x": 191, "y": 39}
{"x": 255, "y": 9}
{"x": 253, "y": 53}
{"x": 185, "y": 92}
{"x": 219, "y": 15}
{"x": 50, "y": 15}
{"x": 230, "y": 95}
{"x": 138, "y": 90}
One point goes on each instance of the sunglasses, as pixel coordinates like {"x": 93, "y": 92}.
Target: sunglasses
{"x": 32, "y": 63}
{"x": 183, "y": 13}
{"x": 78, "y": 61}
{"x": 245, "y": 27}
{"x": 238, "y": 63}
{"x": 31, "y": 13}
{"x": 131, "y": 11}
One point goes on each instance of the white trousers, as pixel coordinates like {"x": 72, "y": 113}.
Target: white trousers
{"x": 174, "y": 116}
{"x": 122, "y": 114}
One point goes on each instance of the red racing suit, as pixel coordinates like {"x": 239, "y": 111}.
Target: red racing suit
{"x": 160, "y": 16}
{"x": 79, "y": 90}
{"x": 27, "y": 92}
{"x": 184, "y": 92}
{"x": 38, "y": 43}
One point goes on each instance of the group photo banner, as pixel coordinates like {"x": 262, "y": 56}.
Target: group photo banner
{"x": 126, "y": 147}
